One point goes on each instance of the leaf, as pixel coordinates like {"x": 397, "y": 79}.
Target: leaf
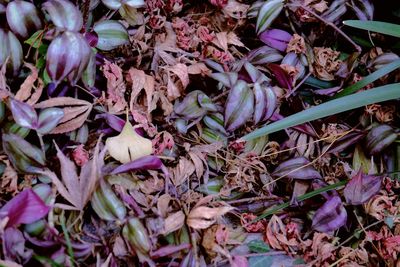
{"x": 26, "y": 207}
{"x": 143, "y": 163}
{"x": 23, "y": 114}
{"x": 77, "y": 190}
{"x": 375, "y": 26}
{"x": 375, "y": 95}
{"x": 202, "y": 217}
{"x": 34, "y": 40}
{"x": 76, "y": 112}
{"x": 330, "y": 216}
{"x": 369, "y": 79}
{"x": 48, "y": 119}
{"x": 25, "y": 90}
{"x": 258, "y": 246}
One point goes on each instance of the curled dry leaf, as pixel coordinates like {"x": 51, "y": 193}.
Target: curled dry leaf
{"x": 202, "y": 217}
{"x": 25, "y": 92}
{"x": 173, "y": 222}
{"x": 76, "y": 111}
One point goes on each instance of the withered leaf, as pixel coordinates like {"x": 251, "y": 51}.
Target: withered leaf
{"x": 202, "y": 217}
{"x": 25, "y": 93}
{"x": 76, "y": 112}
{"x": 77, "y": 190}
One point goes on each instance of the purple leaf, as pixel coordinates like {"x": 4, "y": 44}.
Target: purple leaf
{"x": 113, "y": 121}
{"x": 282, "y": 77}
{"x": 14, "y": 246}
{"x": 331, "y": 216}
{"x": 48, "y": 119}
{"x": 276, "y": 38}
{"x": 26, "y": 207}
{"x": 23, "y": 114}
{"x": 239, "y": 106}
{"x": 143, "y": 163}
{"x": 296, "y": 169}
{"x": 361, "y": 188}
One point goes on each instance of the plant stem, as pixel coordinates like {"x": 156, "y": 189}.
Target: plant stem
{"x": 40, "y": 136}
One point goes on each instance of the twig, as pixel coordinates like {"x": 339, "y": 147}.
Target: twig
{"x": 356, "y": 46}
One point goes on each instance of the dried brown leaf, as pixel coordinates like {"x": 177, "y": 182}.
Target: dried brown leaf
{"x": 76, "y": 112}
{"x": 202, "y": 217}
{"x": 25, "y": 93}
{"x": 173, "y": 222}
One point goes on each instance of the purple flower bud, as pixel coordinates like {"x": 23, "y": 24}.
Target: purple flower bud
{"x": 64, "y": 14}
{"x": 361, "y": 188}
{"x": 331, "y": 216}
{"x": 276, "y": 38}
{"x": 23, "y": 18}
{"x": 296, "y": 169}
{"x": 67, "y": 54}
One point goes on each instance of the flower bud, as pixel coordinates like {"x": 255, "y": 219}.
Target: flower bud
{"x": 361, "y": 188}
{"x": 379, "y": 138}
{"x": 128, "y": 145}
{"x": 276, "y": 38}
{"x": 10, "y": 51}
{"x": 239, "y": 106}
{"x": 269, "y": 11}
{"x": 23, "y": 18}
{"x": 67, "y": 54}
{"x": 111, "y": 34}
{"x": 106, "y": 204}
{"x": 64, "y": 14}
{"x": 296, "y": 168}
{"x": 136, "y": 235}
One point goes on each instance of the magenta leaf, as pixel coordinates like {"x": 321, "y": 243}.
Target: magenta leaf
{"x": 143, "y": 163}
{"x": 26, "y": 207}
{"x": 331, "y": 216}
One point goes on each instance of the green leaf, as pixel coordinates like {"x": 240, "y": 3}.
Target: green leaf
{"x": 375, "y": 26}
{"x": 375, "y": 95}
{"x": 369, "y": 79}
{"x": 34, "y": 40}
{"x": 258, "y": 246}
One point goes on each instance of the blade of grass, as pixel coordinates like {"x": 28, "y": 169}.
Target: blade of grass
{"x": 67, "y": 240}
{"x": 375, "y": 95}
{"x": 300, "y": 198}
{"x": 375, "y": 26}
{"x": 369, "y": 79}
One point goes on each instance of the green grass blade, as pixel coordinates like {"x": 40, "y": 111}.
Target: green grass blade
{"x": 370, "y": 78}
{"x": 301, "y": 198}
{"x": 375, "y": 26}
{"x": 375, "y": 95}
